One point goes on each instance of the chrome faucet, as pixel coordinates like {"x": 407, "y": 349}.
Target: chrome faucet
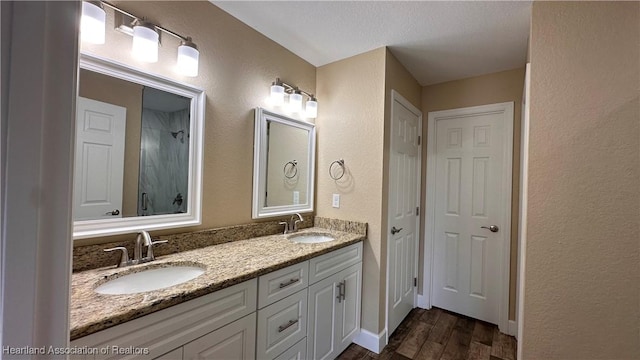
{"x": 142, "y": 239}
{"x": 292, "y": 225}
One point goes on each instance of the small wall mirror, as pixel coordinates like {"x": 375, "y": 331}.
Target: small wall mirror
{"x": 138, "y": 159}
{"x": 283, "y": 165}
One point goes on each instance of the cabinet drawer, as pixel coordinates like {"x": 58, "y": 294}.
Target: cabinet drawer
{"x": 329, "y": 264}
{"x": 282, "y": 283}
{"x": 281, "y": 325}
{"x": 167, "y": 329}
{"x": 296, "y": 352}
{"x": 234, "y": 341}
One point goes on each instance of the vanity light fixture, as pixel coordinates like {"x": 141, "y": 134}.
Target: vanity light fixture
{"x": 311, "y": 108}
{"x": 145, "y": 41}
{"x": 92, "y": 22}
{"x": 188, "y": 56}
{"x": 295, "y": 101}
{"x": 280, "y": 88}
{"x": 277, "y": 93}
{"x": 146, "y": 36}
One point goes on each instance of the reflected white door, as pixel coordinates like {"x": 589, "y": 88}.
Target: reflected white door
{"x": 99, "y": 159}
{"x": 471, "y": 194}
{"x": 403, "y": 224}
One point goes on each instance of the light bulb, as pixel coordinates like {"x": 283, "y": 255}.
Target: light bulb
{"x": 145, "y": 42}
{"x": 295, "y": 102}
{"x": 311, "y": 108}
{"x": 188, "y": 56}
{"x": 92, "y": 22}
{"x": 277, "y": 94}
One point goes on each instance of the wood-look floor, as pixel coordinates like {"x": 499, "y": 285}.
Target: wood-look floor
{"x": 440, "y": 334}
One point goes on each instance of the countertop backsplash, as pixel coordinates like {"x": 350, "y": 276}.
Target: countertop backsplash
{"x": 93, "y": 256}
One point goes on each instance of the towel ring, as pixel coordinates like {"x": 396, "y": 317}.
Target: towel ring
{"x": 293, "y": 167}
{"x": 339, "y": 163}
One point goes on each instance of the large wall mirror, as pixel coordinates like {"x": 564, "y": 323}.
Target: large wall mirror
{"x": 138, "y": 158}
{"x": 284, "y": 163}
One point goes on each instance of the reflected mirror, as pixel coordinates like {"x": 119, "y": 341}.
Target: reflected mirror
{"x": 284, "y": 163}
{"x": 138, "y": 151}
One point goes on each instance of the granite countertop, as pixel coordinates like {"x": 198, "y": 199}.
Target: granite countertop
{"x": 226, "y": 265}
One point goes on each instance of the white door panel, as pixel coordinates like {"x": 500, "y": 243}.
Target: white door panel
{"x": 469, "y": 194}
{"x": 404, "y": 172}
{"x": 99, "y": 170}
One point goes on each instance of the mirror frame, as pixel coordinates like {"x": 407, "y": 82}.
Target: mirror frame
{"x": 260, "y": 211}
{"x": 107, "y": 227}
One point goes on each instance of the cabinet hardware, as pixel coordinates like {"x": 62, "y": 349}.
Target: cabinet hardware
{"x": 284, "y": 327}
{"x": 341, "y": 291}
{"x": 415, "y": 282}
{"x": 288, "y": 283}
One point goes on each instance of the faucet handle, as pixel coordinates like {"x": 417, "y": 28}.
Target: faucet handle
{"x": 124, "y": 258}
{"x": 286, "y": 226}
{"x": 150, "y": 256}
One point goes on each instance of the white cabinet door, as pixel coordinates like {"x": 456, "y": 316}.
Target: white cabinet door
{"x": 235, "y": 341}
{"x": 348, "y": 314}
{"x": 323, "y": 305}
{"x": 334, "y": 313}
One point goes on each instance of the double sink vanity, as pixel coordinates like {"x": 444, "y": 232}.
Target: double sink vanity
{"x": 265, "y": 290}
{"x": 266, "y": 298}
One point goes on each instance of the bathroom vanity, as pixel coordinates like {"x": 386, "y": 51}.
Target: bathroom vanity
{"x": 285, "y": 296}
{"x": 261, "y": 298}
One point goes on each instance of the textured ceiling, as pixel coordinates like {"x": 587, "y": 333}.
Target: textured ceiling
{"x": 435, "y": 41}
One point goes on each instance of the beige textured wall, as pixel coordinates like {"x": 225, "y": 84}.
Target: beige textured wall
{"x": 493, "y": 88}
{"x": 129, "y": 95}
{"x": 582, "y": 295}
{"x": 353, "y": 124}
{"x": 350, "y": 125}
{"x": 237, "y": 66}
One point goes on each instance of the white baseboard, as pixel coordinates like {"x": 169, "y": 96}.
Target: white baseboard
{"x": 513, "y": 328}
{"x": 423, "y": 302}
{"x": 370, "y": 341}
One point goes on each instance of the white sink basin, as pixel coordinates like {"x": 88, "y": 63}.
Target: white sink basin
{"x": 150, "y": 279}
{"x": 310, "y": 238}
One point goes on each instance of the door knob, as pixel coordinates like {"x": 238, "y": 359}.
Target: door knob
{"x": 492, "y": 228}
{"x": 115, "y": 212}
{"x": 395, "y": 231}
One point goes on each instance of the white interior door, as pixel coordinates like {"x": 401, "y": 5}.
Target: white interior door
{"x": 472, "y": 209}
{"x": 403, "y": 224}
{"x": 100, "y": 131}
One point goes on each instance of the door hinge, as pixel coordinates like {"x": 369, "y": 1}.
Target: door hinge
{"x": 415, "y": 282}
{"x": 417, "y": 210}
{"x": 419, "y": 139}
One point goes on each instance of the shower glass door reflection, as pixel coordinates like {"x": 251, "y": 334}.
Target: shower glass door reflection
{"x": 164, "y": 153}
